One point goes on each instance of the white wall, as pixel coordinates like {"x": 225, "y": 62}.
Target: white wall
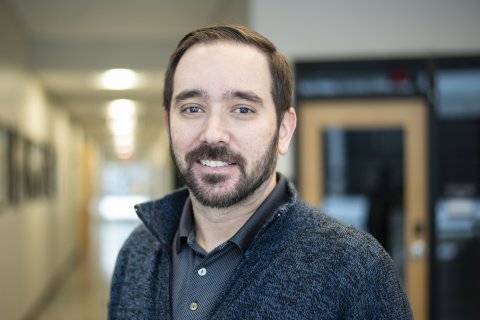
{"x": 38, "y": 237}
{"x": 352, "y": 28}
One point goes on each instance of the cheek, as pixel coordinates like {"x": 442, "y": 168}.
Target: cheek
{"x": 256, "y": 143}
{"x": 181, "y": 136}
{"x": 178, "y": 144}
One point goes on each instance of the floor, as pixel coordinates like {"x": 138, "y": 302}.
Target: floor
{"x": 84, "y": 294}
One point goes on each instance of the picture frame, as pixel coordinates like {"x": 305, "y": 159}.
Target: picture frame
{"x": 15, "y": 164}
{"x": 49, "y": 171}
{"x": 4, "y": 181}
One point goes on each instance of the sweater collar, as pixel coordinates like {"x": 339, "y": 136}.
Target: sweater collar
{"x": 162, "y": 217}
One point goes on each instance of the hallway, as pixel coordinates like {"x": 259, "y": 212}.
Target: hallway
{"x": 84, "y": 293}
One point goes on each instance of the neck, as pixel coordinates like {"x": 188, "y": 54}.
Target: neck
{"x": 214, "y": 226}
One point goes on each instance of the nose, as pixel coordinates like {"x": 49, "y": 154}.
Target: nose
{"x": 215, "y": 130}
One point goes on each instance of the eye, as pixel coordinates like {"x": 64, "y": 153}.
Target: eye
{"x": 192, "y": 109}
{"x": 242, "y": 109}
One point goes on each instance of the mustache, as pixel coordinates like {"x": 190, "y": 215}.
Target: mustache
{"x": 219, "y": 153}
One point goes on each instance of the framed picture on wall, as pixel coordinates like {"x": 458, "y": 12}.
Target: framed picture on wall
{"x": 35, "y": 160}
{"x": 15, "y": 164}
{"x": 50, "y": 176}
{"x": 4, "y": 182}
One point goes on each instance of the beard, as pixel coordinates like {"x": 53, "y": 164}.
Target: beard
{"x": 202, "y": 187}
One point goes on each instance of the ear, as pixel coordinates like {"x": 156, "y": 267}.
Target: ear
{"x": 286, "y": 130}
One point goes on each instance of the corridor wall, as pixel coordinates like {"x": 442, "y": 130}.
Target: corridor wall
{"x": 38, "y": 235}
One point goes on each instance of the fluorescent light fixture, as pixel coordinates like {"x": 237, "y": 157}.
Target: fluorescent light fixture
{"x": 124, "y": 147}
{"x": 124, "y": 154}
{"x": 124, "y": 150}
{"x": 119, "y": 79}
{"x": 121, "y": 109}
{"x": 123, "y": 140}
{"x": 122, "y": 126}
{"x": 121, "y": 117}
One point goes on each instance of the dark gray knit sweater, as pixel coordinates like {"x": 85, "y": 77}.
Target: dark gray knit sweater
{"x": 302, "y": 265}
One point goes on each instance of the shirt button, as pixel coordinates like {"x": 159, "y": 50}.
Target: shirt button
{"x": 202, "y": 272}
{"x": 193, "y": 306}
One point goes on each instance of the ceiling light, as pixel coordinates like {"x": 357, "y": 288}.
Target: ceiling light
{"x": 121, "y": 109}
{"x": 124, "y": 153}
{"x": 123, "y": 141}
{"x": 122, "y": 126}
{"x": 119, "y": 79}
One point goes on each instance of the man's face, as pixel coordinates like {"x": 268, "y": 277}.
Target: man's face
{"x": 222, "y": 122}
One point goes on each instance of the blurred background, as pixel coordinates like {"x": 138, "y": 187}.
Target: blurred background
{"x": 388, "y": 97}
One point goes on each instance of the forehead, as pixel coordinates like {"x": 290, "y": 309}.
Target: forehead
{"x": 223, "y": 65}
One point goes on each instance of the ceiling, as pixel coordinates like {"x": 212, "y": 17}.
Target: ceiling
{"x": 73, "y": 41}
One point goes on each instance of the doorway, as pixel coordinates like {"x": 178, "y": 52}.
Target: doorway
{"x": 389, "y": 136}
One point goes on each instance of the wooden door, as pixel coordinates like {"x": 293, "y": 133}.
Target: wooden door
{"x": 407, "y": 115}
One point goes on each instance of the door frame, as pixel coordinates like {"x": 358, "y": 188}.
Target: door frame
{"x": 407, "y": 114}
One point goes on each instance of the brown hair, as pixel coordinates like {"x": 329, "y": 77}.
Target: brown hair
{"x": 279, "y": 67}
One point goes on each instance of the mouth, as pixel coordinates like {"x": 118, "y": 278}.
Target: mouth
{"x": 215, "y": 163}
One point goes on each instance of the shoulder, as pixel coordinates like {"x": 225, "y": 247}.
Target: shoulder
{"x": 304, "y": 238}
{"x": 332, "y": 239}
{"x": 304, "y": 228}
{"x": 346, "y": 263}
{"x": 140, "y": 244}
{"x": 140, "y": 237}
{"x": 140, "y": 252}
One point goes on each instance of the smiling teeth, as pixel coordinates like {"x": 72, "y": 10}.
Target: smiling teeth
{"x": 214, "y": 164}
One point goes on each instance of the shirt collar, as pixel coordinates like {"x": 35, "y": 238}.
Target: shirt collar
{"x": 186, "y": 225}
{"x": 245, "y": 235}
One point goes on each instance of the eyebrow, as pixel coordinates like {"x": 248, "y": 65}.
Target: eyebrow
{"x": 244, "y": 95}
{"x": 194, "y": 93}
{"x": 187, "y": 94}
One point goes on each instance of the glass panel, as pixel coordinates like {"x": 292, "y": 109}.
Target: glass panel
{"x": 364, "y": 184}
{"x": 458, "y": 94}
{"x": 457, "y": 220}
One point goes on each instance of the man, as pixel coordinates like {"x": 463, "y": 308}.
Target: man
{"x": 238, "y": 242}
